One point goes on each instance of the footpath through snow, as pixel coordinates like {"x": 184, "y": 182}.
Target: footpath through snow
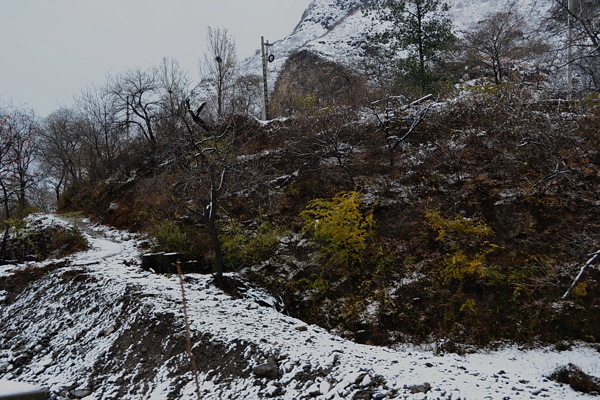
{"x": 99, "y": 327}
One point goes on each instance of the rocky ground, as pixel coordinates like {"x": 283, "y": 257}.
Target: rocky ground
{"x": 94, "y": 325}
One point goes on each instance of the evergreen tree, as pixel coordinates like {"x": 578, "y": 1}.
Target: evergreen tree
{"x": 421, "y": 27}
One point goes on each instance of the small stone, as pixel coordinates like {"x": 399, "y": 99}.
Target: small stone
{"x": 301, "y": 328}
{"x": 10, "y": 335}
{"x": 367, "y": 381}
{"x": 109, "y": 330}
{"x": 268, "y": 370}
{"x": 81, "y": 393}
{"x": 360, "y": 378}
{"x": 324, "y": 387}
{"x": 424, "y": 388}
{"x": 273, "y": 390}
{"x": 314, "y": 390}
{"x": 363, "y": 395}
{"x": 47, "y": 361}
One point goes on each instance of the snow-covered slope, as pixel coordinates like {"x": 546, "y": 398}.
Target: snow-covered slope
{"x": 99, "y": 327}
{"x": 336, "y": 30}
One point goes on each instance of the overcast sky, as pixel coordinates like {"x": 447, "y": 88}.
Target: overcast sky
{"x": 51, "y": 49}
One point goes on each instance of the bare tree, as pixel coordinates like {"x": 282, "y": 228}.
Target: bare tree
{"x": 397, "y": 120}
{"x": 335, "y": 137}
{"x": 18, "y": 133}
{"x": 101, "y": 132}
{"x": 246, "y": 96}
{"x": 61, "y": 150}
{"x": 138, "y": 97}
{"x": 206, "y": 178}
{"x": 498, "y": 41}
{"x": 174, "y": 87}
{"x": 20, "y": 129}
{"x": 219, "y": 64}
{"x": 6, "y": 143}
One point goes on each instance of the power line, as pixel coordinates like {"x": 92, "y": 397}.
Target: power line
{"x": 287, "y": 16}
{"x": 274, "y": 16}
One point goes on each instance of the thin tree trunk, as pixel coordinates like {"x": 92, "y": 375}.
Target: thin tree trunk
{"x": 219, "y": 263}
{"x": 3, "y": 250}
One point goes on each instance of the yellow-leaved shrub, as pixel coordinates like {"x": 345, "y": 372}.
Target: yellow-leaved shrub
{"x": 466, "y": 239}
{"x": 340, "y": 226}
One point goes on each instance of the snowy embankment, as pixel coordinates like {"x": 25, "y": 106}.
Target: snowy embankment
{"x": 99, "y": 327}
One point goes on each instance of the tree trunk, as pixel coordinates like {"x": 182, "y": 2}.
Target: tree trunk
{"x": 216, "y": 242}
{"x": 421, "y": 47}
{"x": 3, "y": 251}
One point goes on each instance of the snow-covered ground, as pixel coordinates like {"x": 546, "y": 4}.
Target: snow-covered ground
{"x": 99, "y": 327}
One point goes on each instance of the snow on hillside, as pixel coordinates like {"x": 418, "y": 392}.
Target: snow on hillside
{"x": 319, "y": 18}
{"x": 336, "y": 29}
{"x": 102, "y": 328}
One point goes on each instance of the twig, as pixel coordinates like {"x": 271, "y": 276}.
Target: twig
{"x": 188, "y": 339}
{"x": 580, "y": 275}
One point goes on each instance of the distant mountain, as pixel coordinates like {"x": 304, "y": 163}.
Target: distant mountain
{"x": 336, "y": 30}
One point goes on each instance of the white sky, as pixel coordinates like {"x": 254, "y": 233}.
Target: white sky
{"x": 51, "y": 49}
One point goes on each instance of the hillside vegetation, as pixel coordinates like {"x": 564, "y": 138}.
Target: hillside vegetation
{"x": 471, "y": 228}
{"x": 436, "y": 194}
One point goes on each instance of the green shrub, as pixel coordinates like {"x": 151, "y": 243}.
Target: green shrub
{"x": 170, "y": 237}
{"x": 242, "y": 248}
{"x": 67, "y": 241}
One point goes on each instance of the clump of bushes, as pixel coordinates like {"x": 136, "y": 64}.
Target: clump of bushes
{"x": 65, "y": 241}
{"x": 171, "y": 237}
{"x": 244, "y": 248}
{"x": 28, "y": 241}
{"x": 467, "y": 247}
{"x": 341, "y": 227}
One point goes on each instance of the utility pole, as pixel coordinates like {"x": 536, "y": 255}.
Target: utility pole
{"x": 127, "y": 116}
{"x": 570, "y": 49}
{"x": 265, "y": 54}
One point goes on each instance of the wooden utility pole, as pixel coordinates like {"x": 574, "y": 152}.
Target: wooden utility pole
{"x": 127, "y": 117}
{"x": 265, "y": 54}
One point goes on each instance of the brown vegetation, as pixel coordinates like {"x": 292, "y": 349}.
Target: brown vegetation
{"x": 479, "y": 225}
{"x": 480, "y": 199}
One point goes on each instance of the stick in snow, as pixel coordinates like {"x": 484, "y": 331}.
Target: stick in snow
{"x": 188, "y": 340}
{"x": 581, "y": 271}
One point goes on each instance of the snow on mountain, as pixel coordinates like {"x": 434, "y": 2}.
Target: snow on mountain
{"x": 319, "y": 19}
{"x": 336, "y": 30}
{"x": 99, "y": 327}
